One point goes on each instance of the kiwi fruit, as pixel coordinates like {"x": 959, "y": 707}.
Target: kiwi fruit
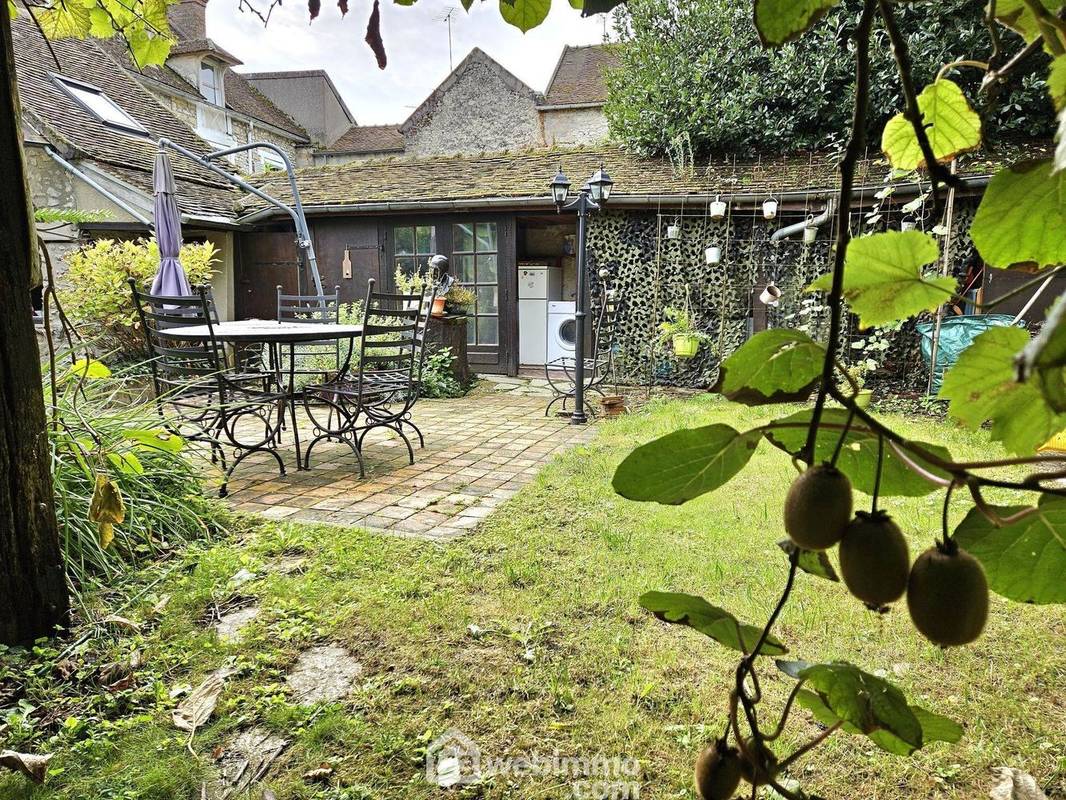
{"x": 818, "y": 507}
{"x": 717, "y": 771}
{"x": 762, "y": 766}
{"x": 874, "y": 559}
{"x": 947, "y": 595}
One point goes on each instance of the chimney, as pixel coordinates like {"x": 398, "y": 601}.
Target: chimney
{"x": 188, "y": 19}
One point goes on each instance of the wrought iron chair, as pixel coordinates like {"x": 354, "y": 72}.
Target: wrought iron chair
{"x": 385, "y": 386}
{"x": 198, "y": 396}
{"x": 598, "y": 366}
{"x": 312, "y": 308}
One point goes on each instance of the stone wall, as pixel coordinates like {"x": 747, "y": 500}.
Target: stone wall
{"x": 574, "y": 126}
{"x": 479, "y": 113}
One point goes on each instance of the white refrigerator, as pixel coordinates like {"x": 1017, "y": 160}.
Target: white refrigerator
{"x": 537, "y": 284}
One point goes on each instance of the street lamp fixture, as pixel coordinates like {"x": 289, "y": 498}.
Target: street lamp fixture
{"x": 560, "y": 187}
{"x": 600, "y": 185}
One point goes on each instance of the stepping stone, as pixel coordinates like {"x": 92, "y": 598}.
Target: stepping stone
{"x": 229, "y": 625}
{"x": 323, "y": 674}
{"x": 247, "y": 759}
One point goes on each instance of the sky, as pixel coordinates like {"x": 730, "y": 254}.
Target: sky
{"x": 416, "y": 40}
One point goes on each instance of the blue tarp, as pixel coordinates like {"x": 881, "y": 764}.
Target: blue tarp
{"x": 956, "y": 334}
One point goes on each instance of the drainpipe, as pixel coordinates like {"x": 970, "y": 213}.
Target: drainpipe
{"x": 817, "y": 222}
{"x": 118, "y": 201}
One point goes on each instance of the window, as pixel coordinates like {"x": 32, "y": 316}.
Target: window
{"x": 100, "y": 105}
{"x": 213, "y": 124}
{"x": 475, "y": 252}
{"x": 211, "y": 83}
{"x": 413, "y": 246}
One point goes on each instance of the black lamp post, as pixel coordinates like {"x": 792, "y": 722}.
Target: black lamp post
{"x": 592, "y": 196}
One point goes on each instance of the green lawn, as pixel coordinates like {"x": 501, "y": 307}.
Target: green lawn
{"x": 527, "y": 636}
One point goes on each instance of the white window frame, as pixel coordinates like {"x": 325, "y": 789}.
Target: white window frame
{"x": 219, "y": 89}
{"x": 77, "y": 90}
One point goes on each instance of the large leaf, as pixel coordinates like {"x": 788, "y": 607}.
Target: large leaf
{"x": 780, "y": 21}
{"x": 525, "y": 14}
{"x": 951, "y": 125}
{"x": 869, "y": 704}
{"x": 1056, "y": 82}
{"x": 1017, "y": 15}
{"x": 883, "y": 277}
{"x": 1021, "y": 220}
{"x": 719, "y": 624}
{"x": 982, "y": 386}
{"x": 590, "y": 7}
{"x": 1025, "y": 561}
{"x": 157, "y": 439}
{"x": 813, "y": 562}
{"x": 684, "y": 464}
{"x": 773, "y": 366}
{"x": 1044, "y": 358}
{"x": 858, "y": 457}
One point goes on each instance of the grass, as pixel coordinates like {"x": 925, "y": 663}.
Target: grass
{"x": 528, "y": 638}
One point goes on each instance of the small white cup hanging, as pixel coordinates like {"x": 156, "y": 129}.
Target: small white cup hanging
{"x": 673, "y": 231}
{"x": 810, "y": 232}
{"x": 604, "y": 273}
{"x": 713, "y": 254}
{"x": 769, "y": 208}
{"x": 908, "y": 225}
{"x": 717, "y": 208}
{"x": 770, "y": 296}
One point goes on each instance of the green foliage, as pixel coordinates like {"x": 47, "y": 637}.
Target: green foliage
{"x": 524, "y": 14}
{"x": 96, "y": 295}
{"x": 142, "y": 23}
{"x": 1022, "y": 217}
{"x": 1026, "y": 560}
{"x": 718, "y": 624}
{"x": 982, "y": 386}
{"x": 780, "y": 21}
{"x": 679, "y": 322}
{"x": 438, "y": 380}
{"x": 459, "y": 299}
{"x": 684, "y": 464}
{"x": 70, "y": 216}
{"x": 884, "y": 279}
{"x": 697, "y": 69}
{"x": 1018, "y": 15}
{"x": 952, "y": 126}
{"x": 107, "y": 428}
{"x": 773, "y": 366}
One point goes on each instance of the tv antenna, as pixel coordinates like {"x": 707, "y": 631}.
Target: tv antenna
{"x": 448, "y": 19}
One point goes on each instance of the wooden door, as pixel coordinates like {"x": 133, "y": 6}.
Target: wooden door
{"x": 265, "y": 260}
{"x": 358, "y": 238}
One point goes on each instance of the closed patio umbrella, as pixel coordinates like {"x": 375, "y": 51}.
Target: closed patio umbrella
{"x": 170, "y": 279}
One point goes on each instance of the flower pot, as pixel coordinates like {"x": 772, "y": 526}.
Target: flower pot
{"x": 685, "y": 345}
{"x": 769, "y": 208}
{"x": 863, "y": 398}
{"x": 438, "y": 307}
{"x": 718, "y": 208}
{"x": 614, "y": 405}
{"x": 713, "y": 254}
{"x": 908, "y": 225}
{"x": 673, "y": 231}
{"x": 810, "y": 235}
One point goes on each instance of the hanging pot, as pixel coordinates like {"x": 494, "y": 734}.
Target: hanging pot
{"x": 713, "y": 254}
{"x": 864, "y": 397}
{"x": 769, "y": 208}
{"x": 673, "y": 231}
{"x": 685, "y": 345}
{"x": 718, "y": 208}
{"x": 810, "y": 233}
{"x": 770, "y": 296}
{"x": 908, "y": 225}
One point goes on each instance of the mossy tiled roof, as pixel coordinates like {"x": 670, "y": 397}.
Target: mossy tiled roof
{"x": 504, "y": 176}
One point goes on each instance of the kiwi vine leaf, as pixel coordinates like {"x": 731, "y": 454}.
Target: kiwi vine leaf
{"x": 813, "y": 562}
{"x": 695, "y": 612}
{"x": 780, "y": 21}
{"x": 773, "y": 366}
{"x": 952, "y": 127}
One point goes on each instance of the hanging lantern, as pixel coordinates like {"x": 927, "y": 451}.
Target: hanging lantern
{"x": 770, "y": 296}
{"x": 908, "y": 225}
{"x": 673, "y": 231}
{"x": 810, "y": 232}
{"x": 718, "y": 208}
{"x": 769, "y": 208}
{"x": 713, "y": 254}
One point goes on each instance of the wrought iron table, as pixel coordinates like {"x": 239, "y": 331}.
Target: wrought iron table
{"x": 275, "y": 335}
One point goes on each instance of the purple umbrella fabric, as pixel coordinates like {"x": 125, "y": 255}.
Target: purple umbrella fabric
{"x": 171, "y": 279}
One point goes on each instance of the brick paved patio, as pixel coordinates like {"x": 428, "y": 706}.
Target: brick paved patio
{"x": 479, "y": 451}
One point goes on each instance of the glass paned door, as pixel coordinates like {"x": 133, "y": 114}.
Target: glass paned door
{"x": 413, "y": 246}
{"x": 475, "y": 250}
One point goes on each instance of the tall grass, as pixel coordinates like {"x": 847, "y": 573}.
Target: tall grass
{"x": 107, "y": 424}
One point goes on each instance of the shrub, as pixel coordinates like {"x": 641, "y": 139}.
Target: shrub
{"x": 437, "y": 377}
{"x": 105, "y": 430}
{"x": 96, "y": 296}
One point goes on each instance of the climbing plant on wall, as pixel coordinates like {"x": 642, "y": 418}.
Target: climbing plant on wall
{"x": 1015, "y": 384}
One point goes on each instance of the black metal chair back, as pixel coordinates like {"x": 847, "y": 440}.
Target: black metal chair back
{"x": 392, "y": 347}
{"x": 180, "y": 366}
{"x": 312, "y": 358}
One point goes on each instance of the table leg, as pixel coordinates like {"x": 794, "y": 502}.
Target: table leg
{"x": 292, "y": 405}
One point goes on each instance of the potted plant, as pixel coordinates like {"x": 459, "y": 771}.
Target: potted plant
{"x": 459, "y": 299}
{"x": 679, "y": 329}
{"x": 867, "y": 352}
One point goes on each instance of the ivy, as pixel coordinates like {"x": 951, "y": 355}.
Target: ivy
{"x": 884, "y": 279}
{"x": 952, "y": 126}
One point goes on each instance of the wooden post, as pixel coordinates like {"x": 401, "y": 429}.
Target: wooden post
{"x": 33, "y": 589}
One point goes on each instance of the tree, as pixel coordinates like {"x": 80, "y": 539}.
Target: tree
{"x": 695, "y": 71}
{"x": 33, "y": 592}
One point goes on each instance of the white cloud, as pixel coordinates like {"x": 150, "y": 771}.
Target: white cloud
{"x": 416, "y": 40}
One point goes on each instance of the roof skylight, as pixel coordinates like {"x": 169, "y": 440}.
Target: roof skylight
{"x": 97, "y": 103}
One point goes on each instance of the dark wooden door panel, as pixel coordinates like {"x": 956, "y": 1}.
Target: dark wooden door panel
{"x": 359, "y": 237}
{"x": 265, "y": 261}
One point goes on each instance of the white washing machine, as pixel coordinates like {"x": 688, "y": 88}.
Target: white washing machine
{"x": 538, "y": 285}
{"x": 562, "y": 329}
